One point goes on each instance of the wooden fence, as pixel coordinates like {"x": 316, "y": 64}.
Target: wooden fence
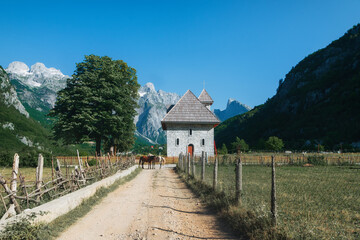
{"x": 247, "y": 158}
{"x": 66, "y": 176}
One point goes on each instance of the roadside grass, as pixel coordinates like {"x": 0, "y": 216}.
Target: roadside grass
{"x": 319, "y": 202}
{"x": 25, "y": 230}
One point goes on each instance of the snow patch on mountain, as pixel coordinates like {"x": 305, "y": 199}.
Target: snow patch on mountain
{"x": 37, "y": 76}
{"x": 36, "y": 86}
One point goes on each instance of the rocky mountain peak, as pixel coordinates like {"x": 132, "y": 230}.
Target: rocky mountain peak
{"x": 147, "y": 88}
{"x": 8, "y": 93}
{"x": 37, "y": 76}
{"x": 233, "y": 108}
{"x": 152, "y": 108}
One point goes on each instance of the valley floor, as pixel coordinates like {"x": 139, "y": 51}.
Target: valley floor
{"x": 155, "y": 205}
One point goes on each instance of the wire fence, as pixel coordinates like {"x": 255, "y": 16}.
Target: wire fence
{"x": 317, "y": 200}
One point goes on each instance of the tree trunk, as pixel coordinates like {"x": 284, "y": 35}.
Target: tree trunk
{"x": 98, "y": 145}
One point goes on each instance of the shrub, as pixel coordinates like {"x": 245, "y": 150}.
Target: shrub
{"x": 92, "y": 162}
{"x": 6, "y": 159}
{"x": 317, "y": 160}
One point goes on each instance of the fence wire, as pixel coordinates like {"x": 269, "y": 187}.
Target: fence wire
{"x": 314, "y": 201}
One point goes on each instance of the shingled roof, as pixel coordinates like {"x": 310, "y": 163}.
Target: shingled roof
{"x": 189, "y": 109}
{"x": 205, "y": 97}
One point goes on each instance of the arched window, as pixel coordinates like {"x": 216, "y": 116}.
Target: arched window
{"x": 203, "y": 142}
{"x": 177, "y": 142}
{"x": 190, "y": 132}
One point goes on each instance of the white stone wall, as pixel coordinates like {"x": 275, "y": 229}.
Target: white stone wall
{"x": 182, "y": 132}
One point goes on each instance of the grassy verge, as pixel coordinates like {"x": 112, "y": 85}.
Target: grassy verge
{"x": 320, "y": 202}
{"x": 243, "y": 221}
{"x": 25, "y": 230}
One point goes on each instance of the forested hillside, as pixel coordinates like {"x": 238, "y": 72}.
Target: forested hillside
{"x": 22, "y": 134}
{"x": 317, "y": 103}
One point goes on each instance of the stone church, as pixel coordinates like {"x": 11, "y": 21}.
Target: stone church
{"x": 189, "y": 125}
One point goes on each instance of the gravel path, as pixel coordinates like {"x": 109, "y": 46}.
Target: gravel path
{"x": 154, "y": 205}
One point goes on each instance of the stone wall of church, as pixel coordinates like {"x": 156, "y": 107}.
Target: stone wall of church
{"x": 179, "y": 137}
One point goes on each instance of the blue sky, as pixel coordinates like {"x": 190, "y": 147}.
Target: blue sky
{"x": 239, "y": 48}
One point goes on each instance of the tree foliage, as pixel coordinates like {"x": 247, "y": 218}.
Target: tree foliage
{"x": 223, "y": 149}
{"x": 98, "y": 104}
{"x": 274, "y": 143}
{"x": 240, "y": 144}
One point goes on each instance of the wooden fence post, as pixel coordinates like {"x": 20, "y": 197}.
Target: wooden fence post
{"x": 193, "y": 166}
{"x": 202, "y": 166}
{"x": 52, "y": 168}
{"x": 188, "y": 164}
{"x": 80, "y": 165}
{"x": 238, "y": 170}
{"x": 39, "y": 172}
{"x": 12, "y": 197}
{"x": 182, "y": 162}
{"x": 15, "y": 173}
{"x": 215, "y": 173}
{"x": 58, "y": 170}
{"x": 273, "y": 192}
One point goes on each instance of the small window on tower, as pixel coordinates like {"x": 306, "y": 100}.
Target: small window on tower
{"x": 177, "y": 142}
{"x": 203, "y": 142}
{"x": 190, "y": 132}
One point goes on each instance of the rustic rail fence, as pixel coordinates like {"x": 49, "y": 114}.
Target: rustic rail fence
{"x": 283, "y": 158}
{"x": 67, "y": 175}
{"x": 310, "y": 196}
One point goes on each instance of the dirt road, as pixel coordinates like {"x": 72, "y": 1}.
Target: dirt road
{"x": 154, "y": 205}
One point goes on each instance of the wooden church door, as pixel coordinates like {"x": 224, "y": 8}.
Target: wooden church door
{"x": 191, "y": 149}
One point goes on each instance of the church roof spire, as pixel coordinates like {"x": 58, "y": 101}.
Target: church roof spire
{"x": 205, "y": 98}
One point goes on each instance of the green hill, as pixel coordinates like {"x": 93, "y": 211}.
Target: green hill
{"x": 317, "y": 103}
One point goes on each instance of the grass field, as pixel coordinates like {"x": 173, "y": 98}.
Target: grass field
{"x": 29, "y": 173}
{"x": 313, "y": 202}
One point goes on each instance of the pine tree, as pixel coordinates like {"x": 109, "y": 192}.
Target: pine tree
{"x": 98, "y": 104}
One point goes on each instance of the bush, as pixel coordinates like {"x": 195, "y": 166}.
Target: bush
{"x": 317, "y": 160}
{"x": 24, "y": 229}
{"x": 6, "y": 159}
{"x": 92, "y": 162}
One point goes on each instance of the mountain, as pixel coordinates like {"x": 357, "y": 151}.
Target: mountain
{"x": 152, "y": 108}
{"x": 36, "y": 87}
{"x": 17, "y": 129}
{"x": 317, "y": 103}
{"x": 232, "y": 109}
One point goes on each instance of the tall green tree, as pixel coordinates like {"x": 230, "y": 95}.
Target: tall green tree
{"x": 274, "y": 143}
{"x": 98, "y": 104}
{"x": 240, "y": 144}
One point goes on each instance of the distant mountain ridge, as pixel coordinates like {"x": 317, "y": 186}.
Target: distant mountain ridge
{"x": 317, "y": 103}
{"x": 37, "y": 89}
{"x": 233, "y": 108}
{"x": 152, "y": 108}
